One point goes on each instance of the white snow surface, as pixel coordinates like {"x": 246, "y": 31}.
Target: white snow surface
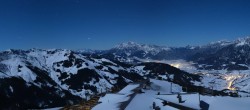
{"x": 158, "y": 102}
{"x": 112, "y": 101}
{"x": 191, "y": 100}
{"x": 227, "y": 103}
{"x": 140, "y": 101}
{"x": 145, "y": 100}
{"x": 128, "y": 89}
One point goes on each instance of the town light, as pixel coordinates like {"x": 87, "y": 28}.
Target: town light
{"x": 176, "y": 65}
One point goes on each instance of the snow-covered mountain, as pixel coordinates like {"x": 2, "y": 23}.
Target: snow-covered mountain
{"x": 44, "y": 78}
{"x": 131, "y": 51}
{"x": 232, "y": 55}
{"x": 38, "y": 78}
{"x": 131, "y": 48}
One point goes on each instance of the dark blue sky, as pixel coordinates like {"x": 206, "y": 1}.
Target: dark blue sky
{"x": 101, "y": 24}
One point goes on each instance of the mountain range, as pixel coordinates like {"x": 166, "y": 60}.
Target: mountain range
{"x": 44, "y": 78}
{"x": 231, "y": 55}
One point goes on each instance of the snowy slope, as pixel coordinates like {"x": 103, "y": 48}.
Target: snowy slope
{"x": 227, "y": 103}
{"x": 145, "y": 100}
{"x": 62, "y": 77}
{"x": 69, "y": 76}
{"x": 112, "y": 101}
{"x": 142, "y": 101}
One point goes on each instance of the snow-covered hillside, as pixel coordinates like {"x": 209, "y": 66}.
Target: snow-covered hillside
{"x": 60, "y": 75}
{"x": 40, "y": 78}
{"x": 141, "y": 101}
{"x": 159, "y": 93}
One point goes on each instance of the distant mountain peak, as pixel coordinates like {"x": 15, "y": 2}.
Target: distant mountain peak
{"x": 132, "y": 44}
{"x": 220, "y": 43}
{"x": 243, "y": 38}
{"x": 237, "y": 42}
{"x": 242, "y": 41}
{"x": 128, "y": 45}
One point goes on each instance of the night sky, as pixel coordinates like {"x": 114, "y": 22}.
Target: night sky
{"x": 102, "y": 24}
